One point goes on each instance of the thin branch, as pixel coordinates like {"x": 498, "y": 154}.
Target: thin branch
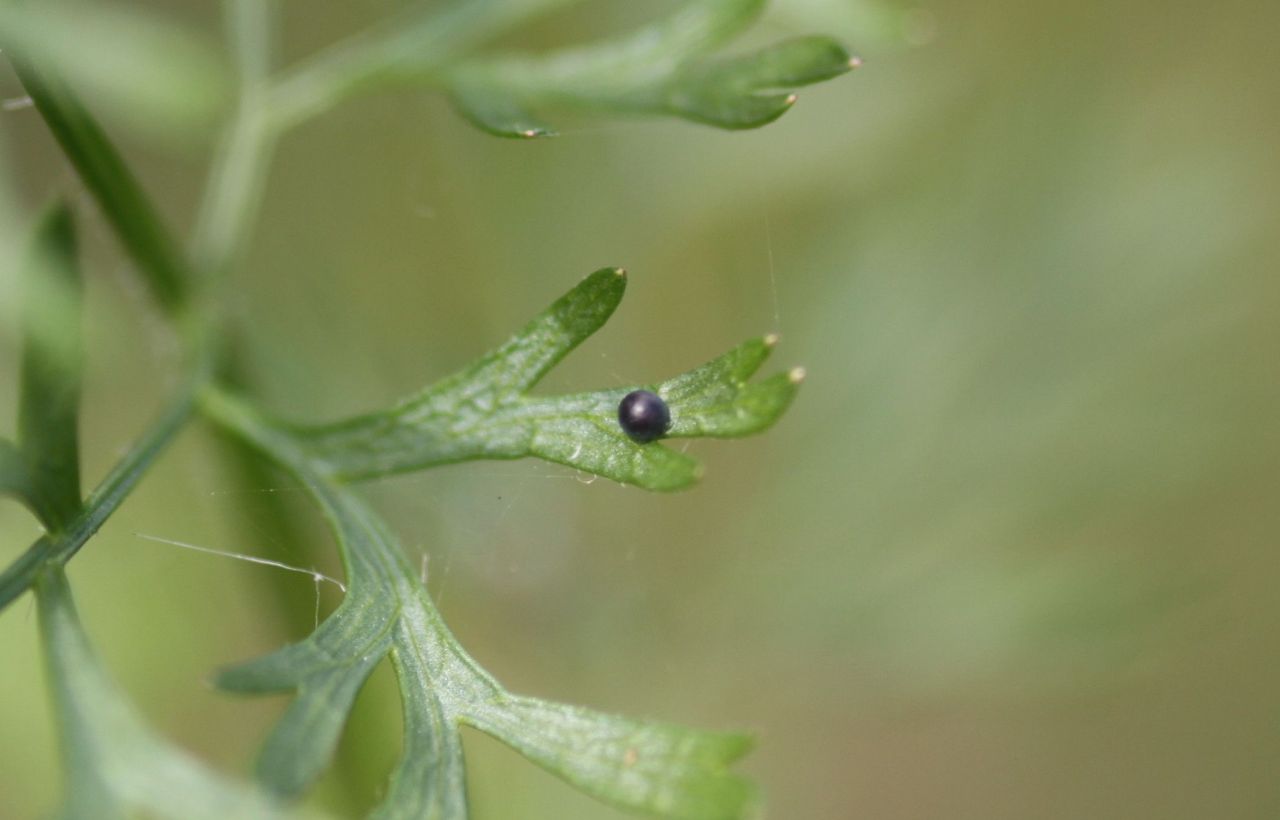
{"x": 105, "y": 499}
{"x": 237, "y": 175}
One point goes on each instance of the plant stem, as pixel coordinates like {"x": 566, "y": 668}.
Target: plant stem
{"x": 167, "y": 274}
{"x": 412, "y": 48}
{"x": 106, "y": 498}
{"x": 235, "y": 189}
{"x": 238, "y": 173}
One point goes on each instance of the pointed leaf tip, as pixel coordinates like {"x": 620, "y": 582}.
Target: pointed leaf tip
{"x": 744, "y": 92}
{"x": 498, "y": 114}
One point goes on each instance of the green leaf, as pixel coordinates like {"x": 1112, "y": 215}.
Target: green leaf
{"x": 664, "y": 68}
{"x": 154, "y": 75}
{"x": 656, "y": 768}
{"x": 115, "y": 766}
{"x": 104, "y": 173}
{"x": 49, "y": 397}
{"x": 486, "y": 411}
{"x": 661, "y": 69}
{"x": 326, "y": 671}
{"x": 491, "y": 111}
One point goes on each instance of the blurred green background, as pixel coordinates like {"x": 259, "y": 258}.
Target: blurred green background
{"x": 1012, "y": 553}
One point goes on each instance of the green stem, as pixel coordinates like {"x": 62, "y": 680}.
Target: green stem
{"x": 58, "y": 548}
{"x": 238, "y": 173}
{"x": 411, "y": 50}
{"x": 236, "y": 182}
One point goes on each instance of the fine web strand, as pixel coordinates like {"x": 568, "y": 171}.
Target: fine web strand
{"x": 252, "y": 559}
{"x": 763, "y": 199}
{"x": 773, "y": 271}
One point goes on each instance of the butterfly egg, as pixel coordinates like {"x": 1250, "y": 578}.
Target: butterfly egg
{"x": 643, "y": 416}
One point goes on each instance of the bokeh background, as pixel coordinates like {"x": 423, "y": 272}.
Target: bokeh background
{"x": 1013, "y": 552}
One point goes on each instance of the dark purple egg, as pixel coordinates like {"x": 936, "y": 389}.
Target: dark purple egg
{"x": 643, "y": 416}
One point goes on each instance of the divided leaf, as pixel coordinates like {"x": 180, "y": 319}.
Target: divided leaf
{"x": 486, "y": 412}
{"x": 116, "y": 767}
{"x": 327, "y": 669}
{"x": 650, "y": 767}
{"x": 661, "y": 69}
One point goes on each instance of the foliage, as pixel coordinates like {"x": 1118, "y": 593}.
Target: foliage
{"x": 115, "y": 765}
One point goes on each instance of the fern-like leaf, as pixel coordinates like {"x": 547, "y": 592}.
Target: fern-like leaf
{"x": 666, "y": 68}
{"x": 485, "y": 411}
{"x": 669, "y": 67}
{"x": 665, "y": 770}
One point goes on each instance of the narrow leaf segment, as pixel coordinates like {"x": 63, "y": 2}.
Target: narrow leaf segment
{"x": 106, "y": 176}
